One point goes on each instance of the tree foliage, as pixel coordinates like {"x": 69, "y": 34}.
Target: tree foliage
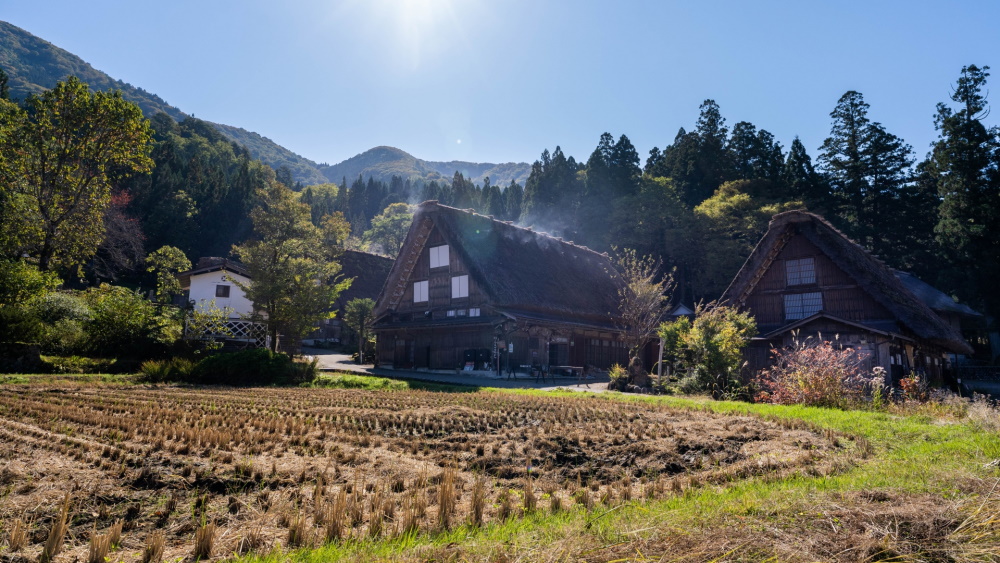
{"x": 709, "y": 351}
{"x": 389, "y": 229}
{"x": 642, "y": 302}
{"x": 165, "y": 263}
{"x": 294, "y": 276}
{"x": 70, "y": 146}
{"x": 358, "y": 316}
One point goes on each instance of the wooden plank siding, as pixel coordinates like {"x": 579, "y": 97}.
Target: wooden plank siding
{"x": 842, "y": 297}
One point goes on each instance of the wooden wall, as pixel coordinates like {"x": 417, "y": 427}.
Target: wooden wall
{"x": 439, "y": 282}
{"x": 842, "y": 296}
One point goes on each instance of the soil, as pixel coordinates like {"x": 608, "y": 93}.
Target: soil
{"x": 266, "y": 465}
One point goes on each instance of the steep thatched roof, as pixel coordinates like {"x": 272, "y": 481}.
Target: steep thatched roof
{"x": 521, "y": 271}
{"x": 369, "y": 272}
{"x": 870, "y": 273}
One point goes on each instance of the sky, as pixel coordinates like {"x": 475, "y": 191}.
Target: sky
{"x": 501, "y": 80}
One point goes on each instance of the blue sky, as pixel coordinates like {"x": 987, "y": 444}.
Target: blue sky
{"x": 500, "y": 81}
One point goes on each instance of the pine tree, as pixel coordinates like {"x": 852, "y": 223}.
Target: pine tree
{"x": 964, "y": 165}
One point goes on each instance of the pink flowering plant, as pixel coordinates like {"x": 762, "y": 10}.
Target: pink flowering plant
{"x": 814, "y": 372}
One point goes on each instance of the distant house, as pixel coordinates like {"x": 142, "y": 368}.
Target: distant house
{"x": 468, "y": 291}
{"x": 369, "y": 272}
{"x": 211, "y": 283}
{"x": 806, "y": 278}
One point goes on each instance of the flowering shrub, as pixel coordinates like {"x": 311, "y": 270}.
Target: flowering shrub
{"x": 813, "y": 373}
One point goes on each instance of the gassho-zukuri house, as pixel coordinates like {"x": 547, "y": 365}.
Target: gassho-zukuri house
{"x": 470, "y": 292}
{"x": 807, "y": 279}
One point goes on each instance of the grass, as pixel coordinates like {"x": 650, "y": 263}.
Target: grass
{"x": 923, "y": 490}
{"x": 349, "y": 380}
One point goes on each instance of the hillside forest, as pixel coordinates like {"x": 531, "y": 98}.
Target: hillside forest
{"x": 699, "y": 203}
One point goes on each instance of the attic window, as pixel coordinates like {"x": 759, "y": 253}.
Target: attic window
{"x": 802, "y": 305}
{"x": 439, "y": 256}
{"x": 459, "y": 287}
{"x": 222, "y": 290}
{"x": 419, "y": 292}
{"x": 800, "y": 272}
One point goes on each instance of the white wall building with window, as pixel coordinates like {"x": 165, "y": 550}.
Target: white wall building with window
{"x": 212, "y": 282}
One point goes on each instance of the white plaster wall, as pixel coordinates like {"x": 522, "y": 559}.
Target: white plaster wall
{"x": 202, "y": 292}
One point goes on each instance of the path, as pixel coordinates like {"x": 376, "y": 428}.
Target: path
{"x": 335, "y": 361}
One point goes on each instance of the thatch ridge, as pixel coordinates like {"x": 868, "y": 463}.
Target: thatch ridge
{"x": 871, "y": 274}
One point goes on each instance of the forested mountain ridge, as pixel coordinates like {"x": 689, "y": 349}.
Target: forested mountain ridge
{"x": 382, "y": 163}
{"x": 34, "y": 65}
{"x": 274, "y": 155}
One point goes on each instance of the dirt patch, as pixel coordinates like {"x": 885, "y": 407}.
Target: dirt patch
{"x": 302, "y": 465}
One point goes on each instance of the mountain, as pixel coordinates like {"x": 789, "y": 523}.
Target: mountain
{"x": 382, "y": 163}
{"x": 273, "y": 154}
{"x": 34, "y": 65}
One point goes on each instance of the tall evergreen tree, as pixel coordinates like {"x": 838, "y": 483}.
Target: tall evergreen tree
{"x": 869, "y": 173}
{"x": 965, "y": 166}
{"x": 800, "y": 179}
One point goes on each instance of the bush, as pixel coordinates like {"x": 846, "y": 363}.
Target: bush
{"x": 159, "y": 371}
{"x": 813, "y": 373}
{"x": 124, "y": 323}
{"x": 709, "y": 350}
{"x": 253, "y": 367}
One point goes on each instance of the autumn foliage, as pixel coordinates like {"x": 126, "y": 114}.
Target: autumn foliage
{"x": 813, "y": 372}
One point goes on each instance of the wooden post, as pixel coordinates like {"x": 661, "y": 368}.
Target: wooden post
{"x": 659, "y": 365}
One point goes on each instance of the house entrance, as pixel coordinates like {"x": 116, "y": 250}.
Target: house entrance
{"x": 558, "y": 354}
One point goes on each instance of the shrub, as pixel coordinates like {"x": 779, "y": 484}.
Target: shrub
{"x": 813, "y": 373}
{"x": 124, "y": 323}
{"x": 63, "y": 316}
{"x": 174, "y": 369}
{"x": 710, "y": 349}
{"x": 253, "y": 367}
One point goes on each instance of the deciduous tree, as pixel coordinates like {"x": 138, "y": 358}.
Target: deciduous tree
{"x": 72, "y": 146}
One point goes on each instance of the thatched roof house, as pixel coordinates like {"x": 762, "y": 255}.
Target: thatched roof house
{"x": 466, "y": 285}
{"x": 806, "y": 276}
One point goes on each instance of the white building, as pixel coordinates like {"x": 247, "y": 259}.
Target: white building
{"x": 211, "y": 283}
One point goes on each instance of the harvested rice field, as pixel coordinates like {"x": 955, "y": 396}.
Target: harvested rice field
{"x": 166, "y": 473}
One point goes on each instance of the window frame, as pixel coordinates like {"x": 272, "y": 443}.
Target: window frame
{"x": 420, "y": 289}
{"x": 462, "y": 282}
{"x": 797, "y": 302}
{"x": 800, "y": 271}
{"x": 223, "y": 290}
{"x": 435, "y": 256}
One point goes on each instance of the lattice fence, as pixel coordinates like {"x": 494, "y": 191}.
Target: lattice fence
{"x": 234, "y": 332}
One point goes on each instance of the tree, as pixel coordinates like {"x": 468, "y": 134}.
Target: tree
{"x": 965, "y": 166}
{"x": 73, "y": 146}
{"x": 642, "y": 302}
{"x": 358, "y": 316}
{"x": 166, "y": 262}
{"x": 800, "y": 179}
{"x": 389, "y": 229}
{"x": 869, "y": 173}
{"x": 294, "y": 280}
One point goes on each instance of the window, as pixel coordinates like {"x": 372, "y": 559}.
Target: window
{"x": 439, "y": 256}
{"x": 451, "y": 313}
{"x": 419, "y": 291}
{"x": 800, "y": 272}
{"x": 474, "y": 312}
{"x": 461, "y": 312}
{"x": 802, "y": 305}
{"x": 222, "y": 290}
{"x": 459, "y": 287}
